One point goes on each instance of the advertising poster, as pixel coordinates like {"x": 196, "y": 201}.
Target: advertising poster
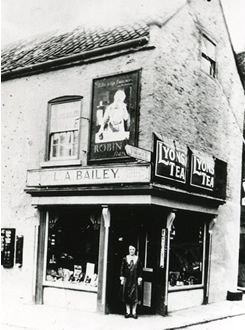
{"x": 114, "y": 116}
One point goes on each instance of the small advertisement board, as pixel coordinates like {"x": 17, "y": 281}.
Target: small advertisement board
{"x": 7, "y": 247}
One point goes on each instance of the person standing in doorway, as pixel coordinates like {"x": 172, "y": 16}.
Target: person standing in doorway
{"x": 131, "y": 280}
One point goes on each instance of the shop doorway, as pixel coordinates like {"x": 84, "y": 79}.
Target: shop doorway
{"x": 142, "y": 229}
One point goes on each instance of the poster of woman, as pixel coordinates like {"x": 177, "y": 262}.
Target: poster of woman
{"x": 115, "y": 122}
{"x": 114, "y": 114}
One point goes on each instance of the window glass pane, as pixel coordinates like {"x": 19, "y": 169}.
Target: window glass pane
{"x": 61, "y": 151}
{"x": 62, "y": 138}
{"x": 203, "y": 46}
{"x": 55, "y": 139}
{"x": 69, "y": 151}
{"x": 64, "y": 116}
{"x": 208, "y": 49}
{"x": 186, "y": 252}
{"x": 69, "y": 137}
{"x": 205, "y": 63}
{"x": 75, "y": 136}
{"x": 212, "y": 69}
{"x": 74, "y": 150}
{"x": 54, "y": 151}
{"x": 211, "y": 50}
{"x": 73, "y": 247}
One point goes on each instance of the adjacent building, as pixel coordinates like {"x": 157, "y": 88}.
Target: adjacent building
{"x": 123, "y": 135}
{"x": 241, "y": 275}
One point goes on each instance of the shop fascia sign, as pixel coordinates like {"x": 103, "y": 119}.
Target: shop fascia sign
{"x": 172, "y": 164}
{"x": 89, "y": 176}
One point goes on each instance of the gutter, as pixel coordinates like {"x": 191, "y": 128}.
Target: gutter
{"x": 73, "y": 58}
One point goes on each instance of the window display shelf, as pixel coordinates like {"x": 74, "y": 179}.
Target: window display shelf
{"x": 71, "y": 286}
{"x": 184, "y": 287}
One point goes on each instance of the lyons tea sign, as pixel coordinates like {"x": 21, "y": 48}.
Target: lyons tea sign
{"x": 202, "y": 171}
{"x": 171, "y": 161}
{"x": 192, "y": 170}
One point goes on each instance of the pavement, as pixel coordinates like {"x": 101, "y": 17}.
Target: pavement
{"x": 43, "y": 317}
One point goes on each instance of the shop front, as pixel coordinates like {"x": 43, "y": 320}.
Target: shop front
{"x": 84, "y": 234}
{"x": 90, "y": 215}
{"x": 73, "y": 239}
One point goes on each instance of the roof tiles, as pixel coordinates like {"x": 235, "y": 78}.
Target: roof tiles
{"x": 53, "y": 46}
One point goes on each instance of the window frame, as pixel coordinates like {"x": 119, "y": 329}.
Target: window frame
{"x": 212, "y": 62}
{"x": 56, "y": 101}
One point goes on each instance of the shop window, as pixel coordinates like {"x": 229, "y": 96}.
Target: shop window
{"x": 208, "y": 49}
{"x": 72, "y": 249}
{"x": 187, "y": 246}
{"x": 64, "y": 119}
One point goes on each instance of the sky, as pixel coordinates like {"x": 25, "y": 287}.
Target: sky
{"x": 21, "y": 19}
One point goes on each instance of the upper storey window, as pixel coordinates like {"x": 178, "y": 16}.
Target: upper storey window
{"x": 208, "y": 56}
{"x": 64, "y": 115}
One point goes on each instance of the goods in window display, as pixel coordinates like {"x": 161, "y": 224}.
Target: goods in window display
{"x": 72, "y": 249}
{"x": 186, "y": 253}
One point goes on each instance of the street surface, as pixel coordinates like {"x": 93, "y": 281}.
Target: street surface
{"x": 230, "y": 323}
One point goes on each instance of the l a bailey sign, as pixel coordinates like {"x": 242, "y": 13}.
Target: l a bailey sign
{"x": 202, "y": 171}
{"x": 89, "y": 176}
{"x": 171, "y": 161}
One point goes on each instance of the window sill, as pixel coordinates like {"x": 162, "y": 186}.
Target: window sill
{"x": 185, "y": 287}
{"x": 209, "y": 75}
{"x": 56, "y": 163}
{"x": 71, "y": 286}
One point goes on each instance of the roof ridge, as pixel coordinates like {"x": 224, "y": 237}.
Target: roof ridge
{"x": 148, "y": 20}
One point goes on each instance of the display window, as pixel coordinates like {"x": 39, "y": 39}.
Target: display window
{"x": 72, "y": 249}
{"x": 187, "y": 252}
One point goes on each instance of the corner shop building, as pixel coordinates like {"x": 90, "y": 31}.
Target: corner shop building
{"x": 170, "y": 227}
{"x": 83, "y": 207}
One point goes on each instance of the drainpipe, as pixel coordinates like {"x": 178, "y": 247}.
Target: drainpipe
{"x": 210, "y": 231}
{"x": 107, "y": 220}
{"x": 170, "y": 220}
